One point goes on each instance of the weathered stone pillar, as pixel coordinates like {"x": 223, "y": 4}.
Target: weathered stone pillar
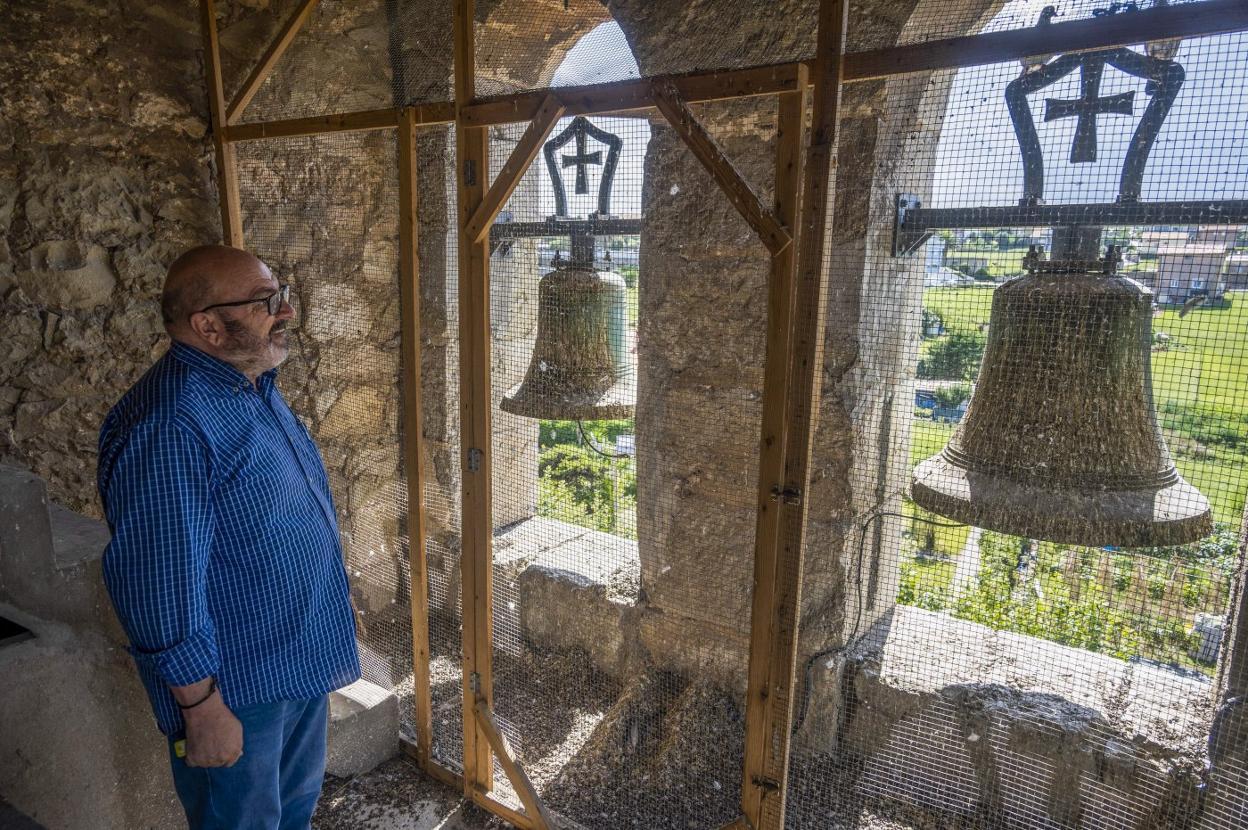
{"x": 702, "y": 315}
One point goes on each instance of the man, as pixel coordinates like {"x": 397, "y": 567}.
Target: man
{"x": 225, "y": 567}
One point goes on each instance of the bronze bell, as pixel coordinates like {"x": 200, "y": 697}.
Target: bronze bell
{"x": 1060, "y": 441}
{"x": 579, "y": 369}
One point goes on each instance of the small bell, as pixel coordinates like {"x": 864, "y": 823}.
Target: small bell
{"x": 579, "y": 369}
{"x": 1060, "y": 441}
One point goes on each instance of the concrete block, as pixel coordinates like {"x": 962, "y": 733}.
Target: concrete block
{"x": 50, "y": 558}
{"x": 363, "y": 728}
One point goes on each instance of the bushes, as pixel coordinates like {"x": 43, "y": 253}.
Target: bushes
{"x": 1088, "y": 601}
{"x": 953, "y": 357}
{"x": 951, "y": 397}
{"x": 579, "y": 486}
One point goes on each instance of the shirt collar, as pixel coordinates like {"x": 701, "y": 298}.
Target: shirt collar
{"x": 217, "y": 368}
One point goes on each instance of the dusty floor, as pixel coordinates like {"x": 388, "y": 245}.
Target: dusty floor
{"x": 395, "y": 796}
{"x": 398, "y": 796}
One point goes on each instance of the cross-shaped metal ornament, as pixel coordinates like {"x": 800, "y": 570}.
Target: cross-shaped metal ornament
{"x": 1087, "y": 107}
{"x": 582, "y": 160}
{"x": 581, "y": 130}
{"x": 1163, "y": 77}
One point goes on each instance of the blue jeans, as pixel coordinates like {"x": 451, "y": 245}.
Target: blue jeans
{"x": 276, "y": 783}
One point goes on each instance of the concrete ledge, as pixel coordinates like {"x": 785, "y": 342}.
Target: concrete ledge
{"x": 562, "y": 587}
{"x": 363, "y": 729}
{"x": 963, "y": 719}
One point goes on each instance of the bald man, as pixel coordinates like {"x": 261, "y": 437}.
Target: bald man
{"x": 224, "y": 566}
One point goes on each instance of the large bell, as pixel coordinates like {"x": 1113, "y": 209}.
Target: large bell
{"x": 580, "y": 368}
{"x": 1060, "y": 441}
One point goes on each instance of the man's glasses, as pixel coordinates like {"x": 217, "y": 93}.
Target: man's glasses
{"x": 272, "y": 303}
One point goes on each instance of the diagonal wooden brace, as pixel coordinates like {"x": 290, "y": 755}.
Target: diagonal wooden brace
{"x": 533, "y": 806}
{"x": 522, "y": 156}
{"x": 268, "y": 60}
{"x": 761, "y": 218}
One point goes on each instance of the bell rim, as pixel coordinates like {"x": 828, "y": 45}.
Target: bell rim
{"x": 1160, "y": 479}
{"x": 1092, "y": 517}
{"x": 618, "y": 402}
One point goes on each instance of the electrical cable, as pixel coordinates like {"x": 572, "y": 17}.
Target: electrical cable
{"x": 580, "y": 426}
{"x": 817, "y": 656}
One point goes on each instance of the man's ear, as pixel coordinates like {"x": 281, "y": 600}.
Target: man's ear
{"x": 208, "y": 327}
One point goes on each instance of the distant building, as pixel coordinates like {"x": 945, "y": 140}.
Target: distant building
{"x": 1152, "y": 241}
{"x": 1236, "y": 271}
{"x": 1224, "y": 235}
{"x": 1186, "y": 271}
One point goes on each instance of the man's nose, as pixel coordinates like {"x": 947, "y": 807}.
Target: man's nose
{"x": 286, "y": 311}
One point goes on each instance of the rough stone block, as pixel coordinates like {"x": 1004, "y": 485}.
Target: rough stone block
{"x": 363, "y": 728}
{"x": 50, "y": 557}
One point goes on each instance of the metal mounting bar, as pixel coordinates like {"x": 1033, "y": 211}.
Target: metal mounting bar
{"x": 914, "y": 223}
{"x": 557, "y": 227}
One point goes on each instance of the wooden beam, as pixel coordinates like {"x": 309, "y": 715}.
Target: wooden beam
{"x": 476, "y": 560}
{"x": 534, "y": 809}
{"x": 364, "y": 120}
{"x": 790, "y": 139}
{"x": 1187, "y": 20}
{"x": 801, "y": 410}
{"x": 413, "y": 430}
{"x": 269, "y": 60}
{"x": 227, "y": 169}
{"x": 518, "y": 162}
{"x": 1123, "y": 29}
{"x": 492, "y": 805}
{"x": 760, "y": 217}
{"x": 626, "y": 96}
{"x": 429, "y": 766}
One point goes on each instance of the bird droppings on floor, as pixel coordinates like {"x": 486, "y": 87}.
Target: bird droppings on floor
{"x": 395, "y": 796}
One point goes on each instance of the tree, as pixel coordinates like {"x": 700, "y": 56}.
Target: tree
{"x": 951, "y": 397}
{"x": 955, "y": 356}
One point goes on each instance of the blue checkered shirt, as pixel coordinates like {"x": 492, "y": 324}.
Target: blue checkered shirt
{"x": 225, "y": 558}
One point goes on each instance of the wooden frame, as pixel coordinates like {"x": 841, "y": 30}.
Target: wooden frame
{"x": 227, "y": 167}
{"x": 413, "y": 430}
{"x": 781, "y": 291}
{"x": 268, "y": 61}
{"x": 793, "y": 231}
{"x": 522, "y": 156}
{"x": 761, "y": 218}
{"x": 476, "y": 558}
{"x": 1208, "y": 18}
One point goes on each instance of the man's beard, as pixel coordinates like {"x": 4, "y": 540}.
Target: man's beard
{"x": 243, "y": 347}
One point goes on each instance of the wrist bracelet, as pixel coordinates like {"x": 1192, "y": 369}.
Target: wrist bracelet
{"x": 212, "y": 687}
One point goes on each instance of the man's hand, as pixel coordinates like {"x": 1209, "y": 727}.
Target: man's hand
{"x": 214, "y": 737}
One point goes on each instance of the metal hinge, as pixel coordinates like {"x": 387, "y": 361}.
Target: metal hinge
{"x": 789, "y": 495}
{"x": 470, "y": 172}
{"x": 474, "y": 459}
{"x": 474, "y": 683}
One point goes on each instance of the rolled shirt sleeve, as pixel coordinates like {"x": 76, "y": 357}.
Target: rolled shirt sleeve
{"x": 159, "y": 506}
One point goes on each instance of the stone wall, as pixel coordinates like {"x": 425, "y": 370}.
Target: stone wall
{"x": 94, "y": 210}
{"x": 105, "y": 176}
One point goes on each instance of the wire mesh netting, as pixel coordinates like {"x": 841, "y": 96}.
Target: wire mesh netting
{"x": 987, "y": 674}
{"x": 535, "y": 45}
{"x": 322, "y": 212}
{"x": 1028, "y": 642}
{"x": 350, "y": 55}
{"x": 623, "y": 495}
